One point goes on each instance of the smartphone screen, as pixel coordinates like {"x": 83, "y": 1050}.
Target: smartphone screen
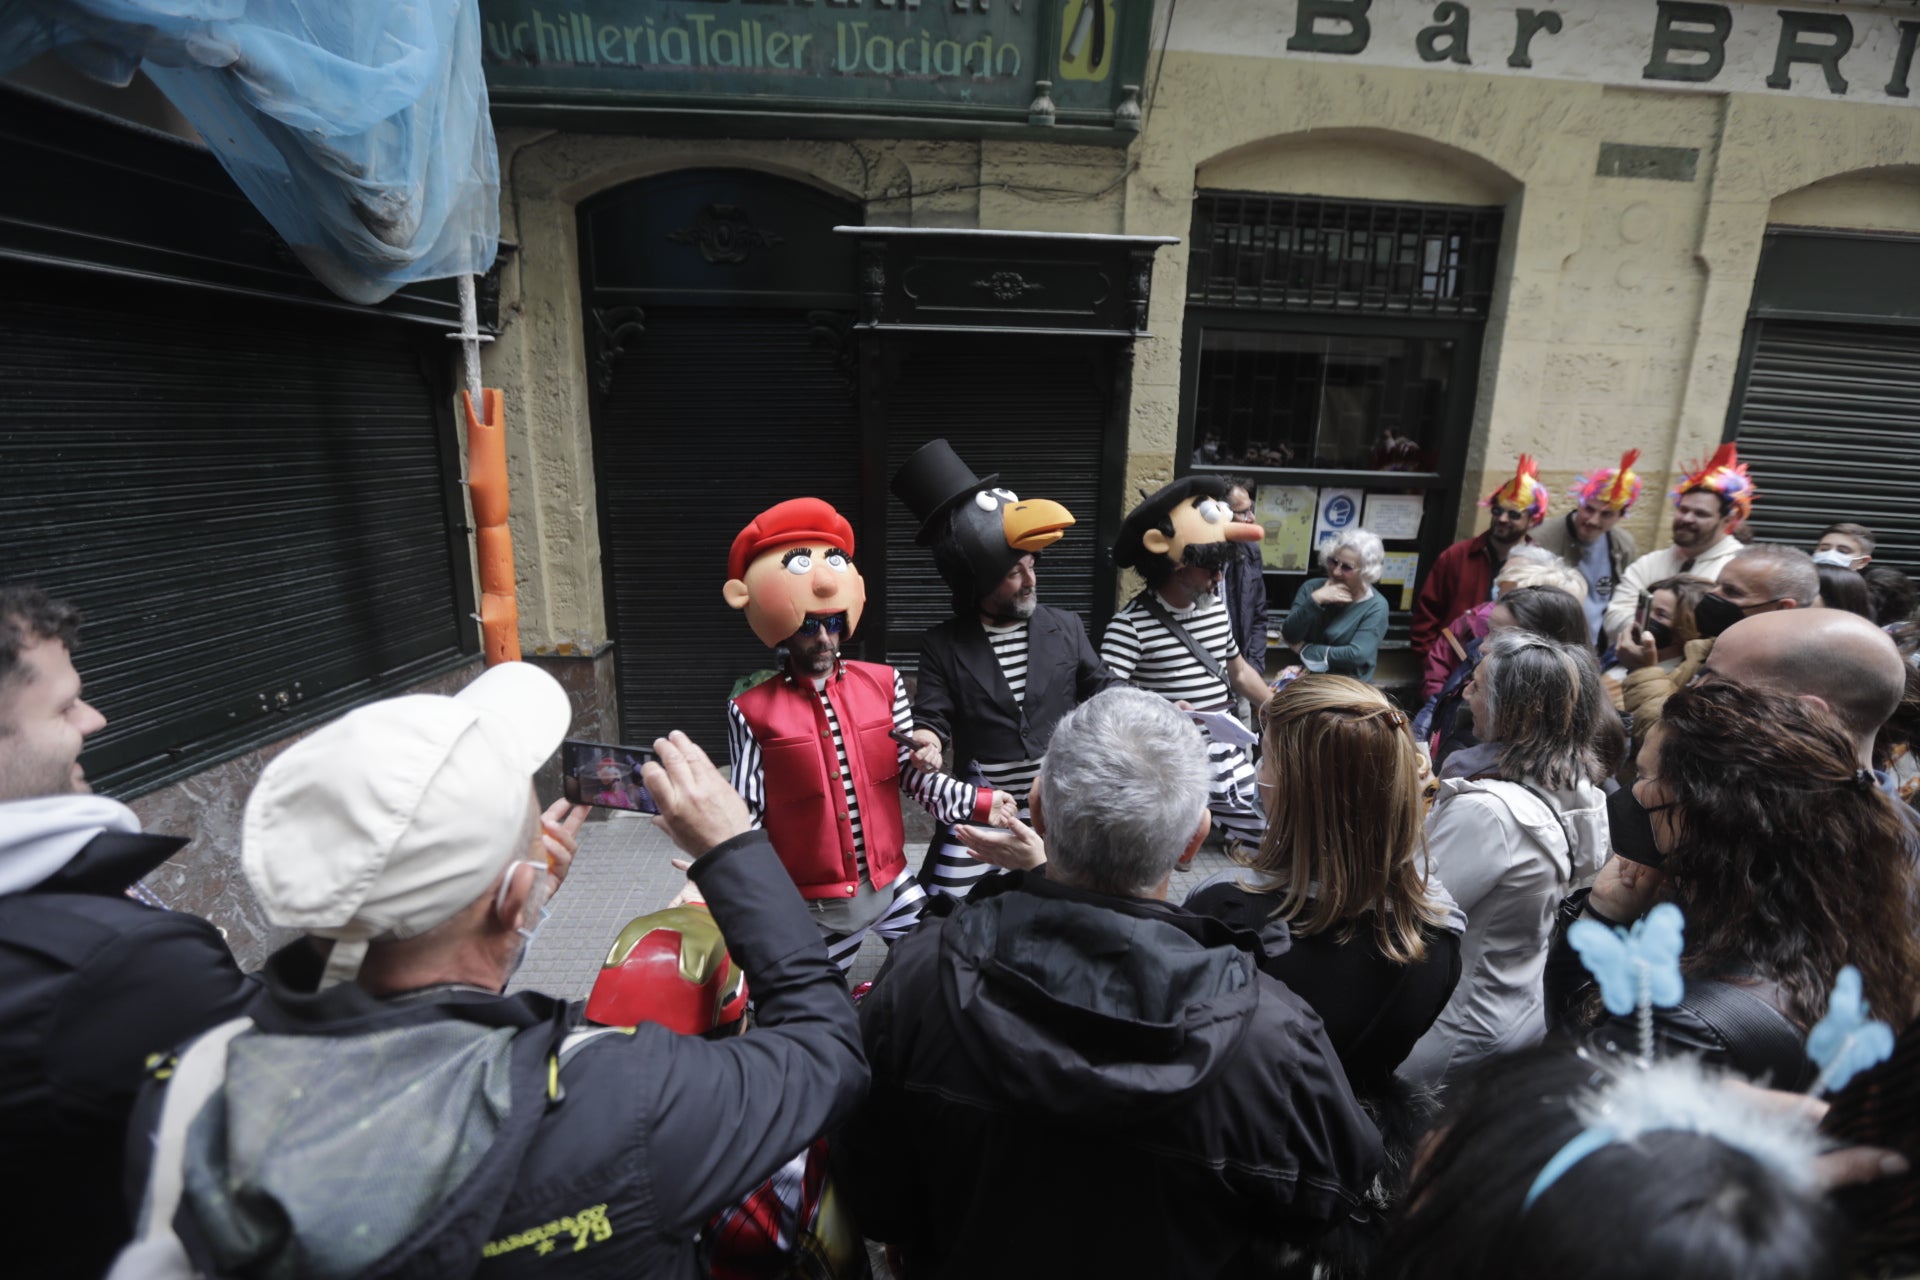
{"x": 1640, "y": 612}
{"x": 602, "y": 774}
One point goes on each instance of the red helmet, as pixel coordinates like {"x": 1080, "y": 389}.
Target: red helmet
{"x": 670, "y": 967}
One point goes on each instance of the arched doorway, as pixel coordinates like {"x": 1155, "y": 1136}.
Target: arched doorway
{"x": 717, "y": 306}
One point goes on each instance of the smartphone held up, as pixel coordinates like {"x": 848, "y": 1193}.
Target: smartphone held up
{"x": 600, "y": 773}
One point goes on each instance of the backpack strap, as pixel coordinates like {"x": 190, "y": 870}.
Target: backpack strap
{"x": 156, "y": 1253}
{"x": 1151, "y": 603}
{"x": 1747, "y": 1022}
{"x": 1566, "y": 832}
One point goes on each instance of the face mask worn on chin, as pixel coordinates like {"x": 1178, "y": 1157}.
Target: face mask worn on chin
{"x": 1838, "y": 559}
{"x": 1714, "y": 614}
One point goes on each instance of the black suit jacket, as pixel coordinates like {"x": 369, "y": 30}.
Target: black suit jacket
{"x": 963, "y": 697}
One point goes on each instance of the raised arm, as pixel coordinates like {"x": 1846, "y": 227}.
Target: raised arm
{"x": 729, "y": 1113}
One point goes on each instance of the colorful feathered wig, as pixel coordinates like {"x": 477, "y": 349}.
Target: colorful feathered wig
{"x": 1615, "y": 487}
{"x": 1523, "y": 491}
{"x": 1724, "y": 476}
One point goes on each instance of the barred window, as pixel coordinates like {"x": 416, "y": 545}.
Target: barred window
{"x": 1293, "y": 253}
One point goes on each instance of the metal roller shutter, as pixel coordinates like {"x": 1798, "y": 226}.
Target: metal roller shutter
{"x": 1829, "y": 425}
{"x": 1036, "y": 412}
{"x": 251, "y": 503}
{"x": 712, "y": 417}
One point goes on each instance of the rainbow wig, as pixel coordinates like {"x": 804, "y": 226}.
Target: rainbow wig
{"x": 1523, "y": 491}
{"x": 1722, "y": 475}
{"x": 1616, "y": 487}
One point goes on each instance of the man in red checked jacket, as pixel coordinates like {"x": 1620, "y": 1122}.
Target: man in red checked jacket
{"x": 815, "y": 751}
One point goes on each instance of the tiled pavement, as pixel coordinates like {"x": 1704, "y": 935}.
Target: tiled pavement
{"x": 623, "y": 870}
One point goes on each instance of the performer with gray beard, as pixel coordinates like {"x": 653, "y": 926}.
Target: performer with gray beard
{"x": 997, "y": 676}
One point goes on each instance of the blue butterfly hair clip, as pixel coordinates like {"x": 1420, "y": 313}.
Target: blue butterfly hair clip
{"x": 1848, "y": 1040}
{"x": 1636, "y": 968}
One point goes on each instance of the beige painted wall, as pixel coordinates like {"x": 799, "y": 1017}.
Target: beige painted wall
{"x": 1617, "y": 321}
{"x": 1625, "y": 299}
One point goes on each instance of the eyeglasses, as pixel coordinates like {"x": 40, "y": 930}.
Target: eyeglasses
{"x": 834, "y": 624}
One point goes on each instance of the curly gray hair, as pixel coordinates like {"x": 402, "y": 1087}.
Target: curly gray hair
{"x": 1372, "y": 553}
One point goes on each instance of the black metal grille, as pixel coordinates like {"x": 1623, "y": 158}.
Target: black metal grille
{"x": 1275, "y": 399}
{"x": 1286, "y": 253}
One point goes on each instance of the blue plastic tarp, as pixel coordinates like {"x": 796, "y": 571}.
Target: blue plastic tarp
{"x": 358, "y": 127}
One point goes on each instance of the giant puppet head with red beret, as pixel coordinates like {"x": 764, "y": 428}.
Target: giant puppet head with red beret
{"x": 792, "y": 562}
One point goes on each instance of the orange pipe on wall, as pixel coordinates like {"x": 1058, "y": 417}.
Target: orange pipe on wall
{"x": 487, "y": 489}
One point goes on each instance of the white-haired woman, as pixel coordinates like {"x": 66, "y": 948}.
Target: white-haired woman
{"x": 1337, "y": 622}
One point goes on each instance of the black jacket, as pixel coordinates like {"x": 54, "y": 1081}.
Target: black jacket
{"x": 91, "y": 983}
{"x": 1374, "y": 1009}
{"x": 641, "y": 1137}
{"x": 1069, "y": 1084}
{"x": 1244, "y": 588}
{"x": 963, "y": 697}
{"x": 1729, "y": 1020}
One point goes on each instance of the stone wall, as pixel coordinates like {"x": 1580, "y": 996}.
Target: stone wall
{"x": 1623, "y": 301}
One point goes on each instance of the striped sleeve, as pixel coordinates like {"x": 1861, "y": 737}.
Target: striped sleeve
{"x": 748, "y": 777}
{"x": 947, "y": 798}
{"x": 1120, "y": 646}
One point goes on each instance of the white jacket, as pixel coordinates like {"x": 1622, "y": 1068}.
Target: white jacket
{"x": 1503, "y": 852}
{"x": 1657, "y": 565}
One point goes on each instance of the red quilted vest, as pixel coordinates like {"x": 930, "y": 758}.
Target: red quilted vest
{"x": 806, "y": 812}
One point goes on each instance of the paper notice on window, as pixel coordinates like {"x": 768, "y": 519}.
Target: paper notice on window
{"x": 1399, "y": 569}
{"x": 1394, "y": 516}
{"x": 1285, "y": 511}
{"x": 1223, "y": 728}
{"x": 1339, "y": 511}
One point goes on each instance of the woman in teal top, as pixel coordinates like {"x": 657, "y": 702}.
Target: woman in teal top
{"x": 1337, "y": 622}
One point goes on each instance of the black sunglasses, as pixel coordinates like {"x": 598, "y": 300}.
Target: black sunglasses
{"x": 834, "y": 623}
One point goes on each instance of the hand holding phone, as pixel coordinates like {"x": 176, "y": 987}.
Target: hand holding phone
{"x": 607, "y": 775}
{"x": 1641, "y": 609}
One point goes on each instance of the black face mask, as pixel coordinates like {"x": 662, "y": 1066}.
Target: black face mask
{"x": 1714, "y": 614}
{"x": 1662, "y": 634}
{"x": 1630, "y": 829}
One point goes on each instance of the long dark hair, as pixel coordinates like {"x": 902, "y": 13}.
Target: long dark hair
{"x": 1679, "y": 1203}
{"x": 1789, "y": 861}
{"x": 1687, "y": 592}
{"x": 1844, "y": 589}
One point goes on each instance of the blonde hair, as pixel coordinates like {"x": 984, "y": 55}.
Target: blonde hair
{"x": 1344, "y": 830}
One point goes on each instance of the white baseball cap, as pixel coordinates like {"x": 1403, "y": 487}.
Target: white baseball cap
{"x": 390, "y": 820}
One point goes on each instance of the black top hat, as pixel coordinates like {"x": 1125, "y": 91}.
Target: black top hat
{"x": 933, "y": 481}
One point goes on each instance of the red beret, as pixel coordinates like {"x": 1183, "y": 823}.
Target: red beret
{"x": 795, "y": 520}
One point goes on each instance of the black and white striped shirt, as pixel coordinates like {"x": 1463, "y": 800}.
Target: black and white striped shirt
{"x": 1141, "y": 651}
{"x": 947, "y": 798}
{"x": 1010, "y": 651}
